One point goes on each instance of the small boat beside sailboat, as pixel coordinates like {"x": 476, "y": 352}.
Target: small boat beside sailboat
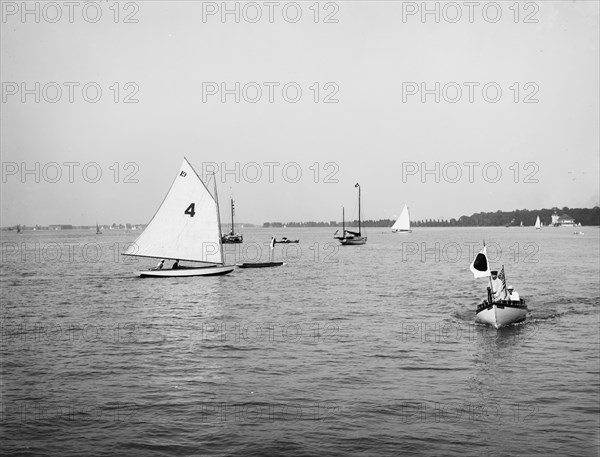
{"x": 502, "y": 306}
{"x": 350, "y": 238}
{"x": 270, "y": 263}
{"x": 402, "y": 225}
{"x": 186, "y": 227}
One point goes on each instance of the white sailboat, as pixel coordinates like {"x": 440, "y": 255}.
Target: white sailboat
{"x": 538, "y": 224}
{"x": 98, "y": 231}
{"x": 402, "y": 225}
{"x": 350, "y": 238}
{"x": 186, "y": 227}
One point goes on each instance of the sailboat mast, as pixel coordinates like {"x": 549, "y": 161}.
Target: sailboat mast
{"x": 219, "y": 219}
{"x": 232, "y": 231}
{"x": 359, "y": 232}
{"x": 343, "y": 223}
{"x": 490, "y": 278}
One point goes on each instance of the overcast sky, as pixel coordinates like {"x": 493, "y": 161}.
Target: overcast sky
{"x": 372, "y": 59}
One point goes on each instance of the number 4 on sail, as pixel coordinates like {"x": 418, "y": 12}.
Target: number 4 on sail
{"x": 186, "y": 227}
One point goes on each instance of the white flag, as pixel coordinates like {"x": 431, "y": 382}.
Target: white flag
{"x": 480, "y": 266}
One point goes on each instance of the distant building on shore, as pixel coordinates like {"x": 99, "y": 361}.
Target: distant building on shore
{"x": 562, "y": 221}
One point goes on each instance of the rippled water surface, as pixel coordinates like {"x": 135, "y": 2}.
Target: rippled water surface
{"x": 364, "y": 350}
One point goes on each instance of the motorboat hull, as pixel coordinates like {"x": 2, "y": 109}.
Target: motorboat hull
{"x": 214, "y": 270}
{"x": 501, "y": 313}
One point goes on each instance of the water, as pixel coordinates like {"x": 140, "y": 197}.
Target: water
{"x": 362, "y": 350}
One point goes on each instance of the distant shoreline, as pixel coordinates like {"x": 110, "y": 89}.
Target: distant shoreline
{"x": 585, "y": 216}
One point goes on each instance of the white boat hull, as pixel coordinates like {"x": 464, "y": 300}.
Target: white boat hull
{"x": 215, "y": 270}
{"x": 401, "y": 231}
{"x": 501, "y": 314}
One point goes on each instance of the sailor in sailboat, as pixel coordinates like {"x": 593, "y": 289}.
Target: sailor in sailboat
{"x": 160, "y": 265}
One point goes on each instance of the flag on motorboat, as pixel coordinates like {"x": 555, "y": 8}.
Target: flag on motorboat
{"x": 480, "y": 266}
{"x": 502, "y": 277}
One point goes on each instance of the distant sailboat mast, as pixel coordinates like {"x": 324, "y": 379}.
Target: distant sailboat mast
{"x": 232, "y": 210}
{"x": 359, "y": 232}
{"x": 219, "y": 218}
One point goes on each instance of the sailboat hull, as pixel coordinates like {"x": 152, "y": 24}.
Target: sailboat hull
{"x": 501, "y": 313}
{"x": 231, "y": 239}
{"x": 215, "y": 270}
{"x": 355, "y": 241}
{"x": 401, "y": 231}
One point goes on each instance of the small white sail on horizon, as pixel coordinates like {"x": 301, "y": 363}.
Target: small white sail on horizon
{"x": 538, "y": 224}
{"x": 403, "y": 222}
{"x": 186, "y": 226}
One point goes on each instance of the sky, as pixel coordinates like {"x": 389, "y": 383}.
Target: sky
{"x": 451, "y": 111}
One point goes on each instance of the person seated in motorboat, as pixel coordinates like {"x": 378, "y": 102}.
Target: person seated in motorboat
{"x": 513, "y": 295}
{"x": 160, "y": 265}
{"x": 175, "y": 265}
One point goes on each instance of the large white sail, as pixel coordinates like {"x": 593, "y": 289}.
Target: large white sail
{"x": 403, "y": 222}
{"x": 186, "y": 226}
{"x": 538, "y": 224}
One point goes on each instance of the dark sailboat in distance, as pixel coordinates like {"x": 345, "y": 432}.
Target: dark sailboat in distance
{"x": 232, "y": 237}
{"x": 350, "y": 238}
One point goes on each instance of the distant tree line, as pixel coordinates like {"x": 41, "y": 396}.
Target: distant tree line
{"x": 585, "y": 216}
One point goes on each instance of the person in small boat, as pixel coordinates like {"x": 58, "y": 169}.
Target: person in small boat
{"x": 513, "y": 295}
{"x": 160, "y": 265}
{"x": 175, "y": 265}
{"x": 497, "y": 287}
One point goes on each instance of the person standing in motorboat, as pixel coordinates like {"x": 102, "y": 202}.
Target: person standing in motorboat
{"x": 497, "y": 286}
